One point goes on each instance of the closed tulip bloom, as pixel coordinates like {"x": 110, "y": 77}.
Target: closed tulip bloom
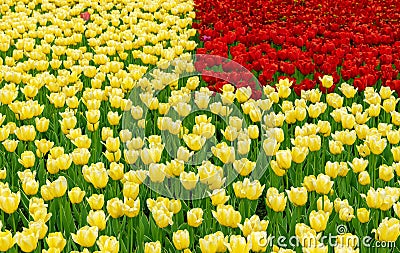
{"x": 386, "y": 173}
{"x": 227, "y": 216}
{"x": 112, "y": 144}
{"x": 314, "y": 142}
{"x": 254, "y": 224}
{"x": 56, "y": 240}
{"x": 363, "y": 150}
{"x": 80, "y": 156}
{"x": 363, "y": 215}
{"x": 108, "y": 244}
{"x": 374, "y": 198}
{"x": 181, "y": 239}
{"x": 275, "y": 200}
{"x": 376, "y": 144}
{"x": 42, "y": 124}
{"x": 157, "y": 172}
{"x": 208, "y": 244}
{"x": 86, "y": 236}
{"x": 253, "y": 131}
{"x": 131, "y": 207}
{"x": 327, "y": 205}
{"x": 243, "y": 166}
{"x": 298, "y": 196}
{"x": 59, "y": 187}
{"x": 310, "y": 183}
{"x": 27, "y": 240}
{"x": 113, "y": 118}
{"x": 327, "y": 81}
{"x": 393, "y": 137}
{"x": 6, "y": 240}
{"x": 346, "y": 214}
{"x": 319, "y": 220}
{"x": 116, "y": 171}
{"x": 270, "y": 146}
{"x": 323, "y": 184}
{"x": 76, "y": 195}
{"x": 332, "y": 169}
{"x": 9, "y": 202}
{"x": 114, "y": 207}
{"x": 195, "y": 217}
{"x": 10, "y": 145}
{"x": 218, "y": 197}
{"x": 238, "y": 244}
{"x": 162, "y": 218}
{"x": 348, "y": 90}
{"x": 97, "y": 219}
{"x": 26, "y": 133}
{"x": 276, "y": 169}
{"x": 96, "y": 201}
{"x": 388, "y": 230}
{"x": 194, "y": 142}
{"x": 335, "y": 147}
{"x": 364, "y": 178}
{"x": 30, "y": 186}
{"x": 27, "y": 159}
{"x": 358, "y": 164}
{"x": 130, "y": 190}
{"x": 39, "y": 227}
{"x": 189, "y": 180}
{"x": 152, "y": 247}
{"x": 299, "y": 154}
{"x": 184, "y": 154}
{"x": 284, "y": 159}
{"x": 396, "y": 153}
{"x": 348, "y": 121}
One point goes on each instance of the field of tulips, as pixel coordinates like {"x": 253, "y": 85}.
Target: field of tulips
{"x": 199, "y": 126}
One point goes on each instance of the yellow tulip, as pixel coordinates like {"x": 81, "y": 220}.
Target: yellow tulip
{"x": 27, "y": 159}
{"x": 189, "y": 180}
{"x": 76, "y": 195}
{"x": 6, "y": 240}
{"x": 227, "y": 216}
{"x": 56, "y": 240}
{"x": 115, "y": 207}
{"x": 319, "y": 220}
{"x": 298, "y": 196}
{"x": 97, "y": 219}
{"x": 195, "y": 217}
{"x": 181, "y": 239}
{"x": 363, "y": 215}
{"x": 364, "y": 178}
{"x": 323, "y": 184}
{"x": 108, "y": 244}
{"x": 326, "y": 206}
{"x": 275, "y": 200}
{"x": 327, "y": 81}
{"x": 9, "y": 202}
{"x": 388, "y": 230}
{"x": 27, "y": 240}
{"x": 96, "y": 201}
{"x": 238, "y": 244}
{"x": 86, "y": 236}
{"x": 152, "y": 247}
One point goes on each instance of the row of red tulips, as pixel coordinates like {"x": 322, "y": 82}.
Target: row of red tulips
{"x": 356, "y": 41}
